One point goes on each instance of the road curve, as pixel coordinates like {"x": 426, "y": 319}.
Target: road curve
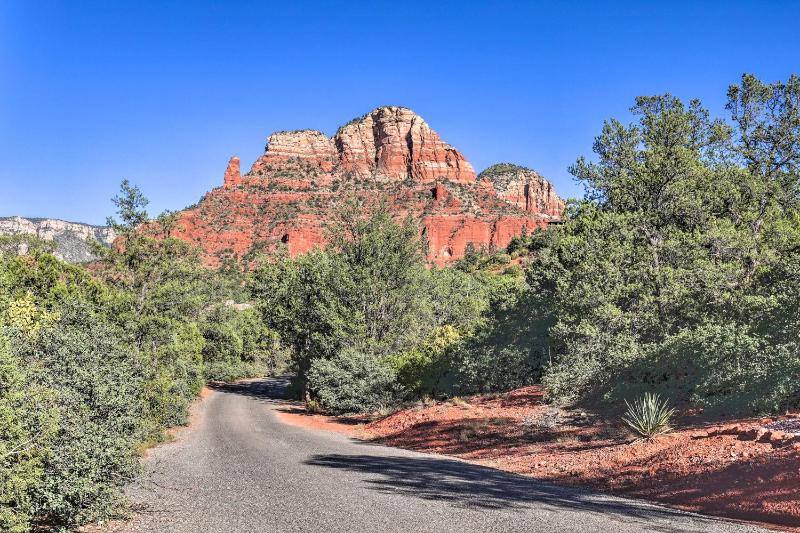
{"x": 239, "y": 469}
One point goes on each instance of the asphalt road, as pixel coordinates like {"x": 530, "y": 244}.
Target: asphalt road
{"x": 239, "y": 469}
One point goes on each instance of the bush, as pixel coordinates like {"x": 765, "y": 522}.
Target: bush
{"x": 519, "y": 252}
{"x": 98, "y": 382}
{"x": 740, "y": 372}
{"x": 648, "y": 416}
{"x": 177, "y": 375}
{"x": 28, "y": 420}
{"x": 423, "y": 370}
{"x": 484, "y": 367}
{"x": 72, "y": 397}
{"x": 239, "y": 345}
{"x": 354, "y": 381}
{"x": 509, "y": 350}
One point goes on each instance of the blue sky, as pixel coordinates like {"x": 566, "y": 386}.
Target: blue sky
{"x": 163, "y": 93}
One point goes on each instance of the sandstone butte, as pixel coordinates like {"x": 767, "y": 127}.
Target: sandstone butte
{"x": 294, "y": 190}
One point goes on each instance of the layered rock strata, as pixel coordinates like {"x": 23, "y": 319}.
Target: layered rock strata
{"x": 71, "y": 239}
{"x": 293, "y": 191}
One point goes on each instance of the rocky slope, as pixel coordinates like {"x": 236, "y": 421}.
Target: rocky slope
{"x": 294, "y": 189}
{"x": 71, "y": 239}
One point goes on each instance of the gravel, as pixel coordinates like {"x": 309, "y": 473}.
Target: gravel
{"x": 790, "y": 425}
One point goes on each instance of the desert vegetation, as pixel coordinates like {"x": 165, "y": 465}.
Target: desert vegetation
{"x": 673, "y": 283}
{"x": 95, "y": 363}
{"x": 678, "y": 272}
{"x": 675, "y": 275}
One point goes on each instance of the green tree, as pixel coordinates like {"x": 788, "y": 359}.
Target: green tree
{"x": 27, "y": 424}
{"x": 684, "y": 240}
{"x": 360, "y": 303}
{"x": 71, "y": 395}
{"x": 162, "y": 290}
{"x": 99, "y": 386}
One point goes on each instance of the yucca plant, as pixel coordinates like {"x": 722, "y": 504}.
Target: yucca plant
{"x": 649, "y": 416}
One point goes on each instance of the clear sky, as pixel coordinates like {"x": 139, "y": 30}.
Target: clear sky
{"x": 163, "y": 93}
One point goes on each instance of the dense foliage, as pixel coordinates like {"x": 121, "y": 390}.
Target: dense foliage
{"x": 369, "y": 325}
{"x": 679, "y": 272}
{"x": 355, "y": 313}
{"x": 95, "y": 364}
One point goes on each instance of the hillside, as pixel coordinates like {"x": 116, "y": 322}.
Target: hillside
{"x": 71, "y": 239}
{"x": 293, "y": 190}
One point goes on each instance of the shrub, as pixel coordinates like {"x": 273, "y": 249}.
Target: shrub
{"x": 485, "y": 367}
{"x": 354, "y": 381}
{"x": 742, "y": 372}
{"x": 648, "y": 416}
{"x": 99, "y": 385}
{"x": 422, "y": 370}
{"x": 178, "y": 376}
{"x": 239, "y": 345}
{"x": 509, "y": 350}
{"x": 519, "y": 252}
{"x": 499, "y": 259}
{"x": 28, "y": 421}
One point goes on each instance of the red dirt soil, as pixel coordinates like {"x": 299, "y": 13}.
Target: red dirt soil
{"x": 296, "y": 415}
{"x": 691, "y": 468}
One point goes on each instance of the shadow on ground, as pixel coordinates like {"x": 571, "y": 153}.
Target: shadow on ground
{"x": 271, "y": 390}
{"x": 471, "y": 486}
{"x": 463, "y": 484}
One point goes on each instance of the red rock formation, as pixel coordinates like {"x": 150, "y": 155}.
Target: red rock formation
{"x": 396, "y": 142}
{"x": 295, "y": 187}
{"x": 309, "y": 145}
{"x": 233, "y": 175}
{"x": 524, "y": 188}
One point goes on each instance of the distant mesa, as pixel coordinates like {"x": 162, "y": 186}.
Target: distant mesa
{"x": 71, "y": 239}
{"x": 292, "y": 191}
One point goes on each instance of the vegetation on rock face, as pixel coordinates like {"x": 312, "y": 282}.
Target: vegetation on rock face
{"x": 500, "y": 174}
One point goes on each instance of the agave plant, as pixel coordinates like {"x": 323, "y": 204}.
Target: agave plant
{"x": 649, "y": 416}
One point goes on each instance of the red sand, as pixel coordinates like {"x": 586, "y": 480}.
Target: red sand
{"x": 296, "y": 415}
{"x": 722, "y": 475}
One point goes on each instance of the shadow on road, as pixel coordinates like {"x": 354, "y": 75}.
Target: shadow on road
{"x": 463, "y": 484}
{"x": 472, "y": 486}
{"x": 270, "y": 390}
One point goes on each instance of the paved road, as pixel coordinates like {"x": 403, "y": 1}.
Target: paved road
{"x": 241, "y": 470}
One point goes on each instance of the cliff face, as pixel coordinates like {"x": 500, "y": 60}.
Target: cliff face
{"x": 395, "y": 142}
{"x": 524, "y": 188}
{"x": 71, "y": 239}
{"x": 293, "y": 190}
